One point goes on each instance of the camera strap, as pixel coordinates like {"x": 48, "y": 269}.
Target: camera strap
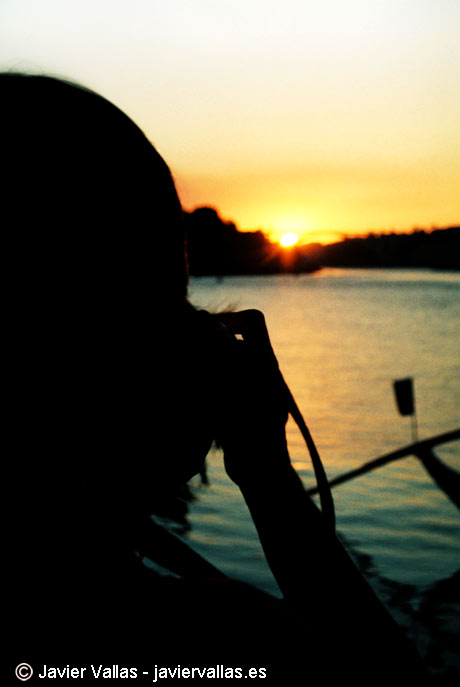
{"x": 324, "y": 489}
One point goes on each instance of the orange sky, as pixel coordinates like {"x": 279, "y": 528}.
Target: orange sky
{"x": 303, "y": 116}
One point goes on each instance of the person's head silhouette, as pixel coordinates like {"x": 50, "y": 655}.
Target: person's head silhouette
{"x": 109, "y": 381}
{"x": 79, "y": 171}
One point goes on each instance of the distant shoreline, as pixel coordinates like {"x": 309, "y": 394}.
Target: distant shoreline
{"x": 438, "y": 249}
{"x": 217, "y": 248}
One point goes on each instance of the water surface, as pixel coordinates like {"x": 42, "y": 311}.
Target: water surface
{"x": 342, "y": 337}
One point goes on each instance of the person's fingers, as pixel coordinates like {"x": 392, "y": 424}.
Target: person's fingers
{"x": 251, "y": 326}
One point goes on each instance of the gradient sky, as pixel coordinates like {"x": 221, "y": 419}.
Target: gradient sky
{"x": 290, "y": 115}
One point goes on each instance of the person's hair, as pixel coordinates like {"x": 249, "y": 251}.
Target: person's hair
{"x": 107, "y": 383}
{"x": 84, "y": 187}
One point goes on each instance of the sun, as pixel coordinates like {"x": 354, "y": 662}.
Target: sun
{"x": 289, "y": 239}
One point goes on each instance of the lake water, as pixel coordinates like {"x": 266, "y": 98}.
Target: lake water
{"x": 341, "y": 338}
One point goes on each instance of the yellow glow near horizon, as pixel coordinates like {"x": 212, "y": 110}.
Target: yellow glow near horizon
{"x": 343, "y": 116}
{"x": 289, "y": 239}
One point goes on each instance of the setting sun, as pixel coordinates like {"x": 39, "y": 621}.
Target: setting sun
{"x": 289, "y": 239}
{"x": 306, "y": 117}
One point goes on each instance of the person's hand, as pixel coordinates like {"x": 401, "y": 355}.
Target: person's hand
{"x": 252, "y": 411}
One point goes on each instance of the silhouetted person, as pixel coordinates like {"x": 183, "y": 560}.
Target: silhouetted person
{"x": 115, "y": 389}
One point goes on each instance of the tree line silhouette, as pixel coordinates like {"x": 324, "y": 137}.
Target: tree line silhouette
{"x": 217, "y": 247}
{"x": 437, "y": 249}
